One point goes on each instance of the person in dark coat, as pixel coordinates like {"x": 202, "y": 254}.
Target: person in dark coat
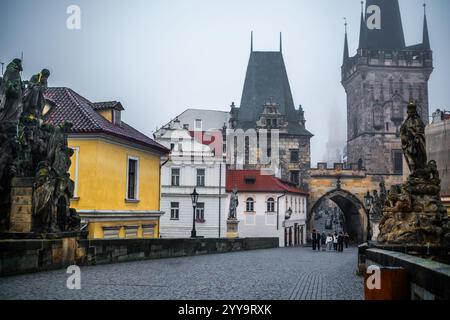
{"x": 314, "y": 239}
{"x": 346, "y": 240}
{"x": 318, "y": 240}
{"x": 340, "y": 242}
{"x": 323, "y": 240}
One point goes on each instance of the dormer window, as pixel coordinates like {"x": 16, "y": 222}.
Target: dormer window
{"x": 117, "y": 120}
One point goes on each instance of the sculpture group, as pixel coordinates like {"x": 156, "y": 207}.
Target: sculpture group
{"x": 413, "y": 212}
{"x": 32, "y": 150}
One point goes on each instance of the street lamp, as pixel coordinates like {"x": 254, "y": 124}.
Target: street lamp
{"x": 368, "y": 199}
{"x": 288, "y": 214}
{"x": 194, "y": 198}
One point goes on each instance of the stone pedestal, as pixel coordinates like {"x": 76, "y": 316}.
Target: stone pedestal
{"x": 21, "y": 212}
{"x": 232, "y": 229}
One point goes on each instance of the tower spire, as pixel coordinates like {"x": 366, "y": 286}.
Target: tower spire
{"x": 362, "y": 29}
{"x": 426, "y": 37}
{"x": 251, "y": 42}
{"x": 346, "y": 54}
{"x": 281, "y": 43}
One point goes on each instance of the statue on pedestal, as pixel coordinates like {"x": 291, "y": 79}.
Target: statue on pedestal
{"x": 234, "y": 202}
{"x": 413, "y": 212}
{"x": 34, "y": 160}
{"x": 232, "y": 221}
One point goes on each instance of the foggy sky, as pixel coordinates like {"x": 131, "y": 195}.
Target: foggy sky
{"x": 159, "y": 57}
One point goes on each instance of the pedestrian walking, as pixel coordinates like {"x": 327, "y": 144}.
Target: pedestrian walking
{"x": 323, "y": 239}
{"x": 346, "y": 240}
{"x": 318, "y": 240}
{"x": 335, "y": 241}
{"x": 314, "y": 239}
{"x": 340, "y": 242}
{"x": 329, "y": 242}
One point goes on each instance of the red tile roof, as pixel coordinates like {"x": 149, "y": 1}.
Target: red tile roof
{"x": 262, "y": 183}
{"x": 71, "y": 107}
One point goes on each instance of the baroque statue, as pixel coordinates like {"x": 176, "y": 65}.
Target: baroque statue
{"x": 35, "y": 151}
{"x": 234, "y": 202}
{"x": 413, "y": 213}
{"x": 11, "y": 92}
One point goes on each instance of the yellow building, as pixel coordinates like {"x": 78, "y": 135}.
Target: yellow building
{"x": 116, "y": 169}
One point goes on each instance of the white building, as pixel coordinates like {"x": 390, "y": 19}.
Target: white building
{"x": 196, "y": 161}
{"x": 268, "y": 207}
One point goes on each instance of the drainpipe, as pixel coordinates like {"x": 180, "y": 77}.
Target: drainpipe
{"x": 278, "y": 209}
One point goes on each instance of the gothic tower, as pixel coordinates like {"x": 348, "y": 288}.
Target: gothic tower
{"x": 380, "y": 80}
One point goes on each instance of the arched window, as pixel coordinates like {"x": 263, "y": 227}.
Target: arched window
{"x": 270, "y": 205}
{"x": 250, "y": 205}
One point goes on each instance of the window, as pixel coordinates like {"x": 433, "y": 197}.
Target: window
{"x": 175, "y": 177}
{"x": 398, "y": 161}
{"x": 250, "y": 205}
{"x": 117, "y": 117}
{"x": 131, "y": 232}
{"x": 294, "y": 156}
{"x": 174, "y": 211}
{"x": 148, "y": 231}
{"x": 200, "y": 177}
{"x": 200, "y": 212}
{"x": 111, "y": 232}
{"x": 198, "y": 124}
{"x": 295, "y": 177}
{"x": 270, "y": 205}
{"x": 132, "y": 178}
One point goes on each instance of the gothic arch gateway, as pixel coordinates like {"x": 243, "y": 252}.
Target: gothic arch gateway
{"x": 346, "y": 188}
{"x": 356, "y": 219}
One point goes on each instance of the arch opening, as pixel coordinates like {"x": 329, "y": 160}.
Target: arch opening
{"x": 338, "y": 211}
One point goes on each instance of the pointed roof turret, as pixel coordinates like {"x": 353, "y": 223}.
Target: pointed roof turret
{"x": 362, "y": 29}
{"x": 346, "y": 53}
{"x": 389, "y": 35}
{"x": 281, "y": 43}
{"x": 426, "y": 37}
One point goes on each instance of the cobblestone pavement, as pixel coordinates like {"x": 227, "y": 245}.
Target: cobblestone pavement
{"x": 285, "y": 273}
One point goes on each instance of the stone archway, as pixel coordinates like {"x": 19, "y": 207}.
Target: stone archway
{"x": 356, "y": 217}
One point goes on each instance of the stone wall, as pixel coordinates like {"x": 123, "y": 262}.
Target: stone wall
{"x": 25, "y": 256}
{"x": 428, "y": 279}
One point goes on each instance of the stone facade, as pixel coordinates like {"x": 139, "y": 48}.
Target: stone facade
{"x": 377, "y": 99}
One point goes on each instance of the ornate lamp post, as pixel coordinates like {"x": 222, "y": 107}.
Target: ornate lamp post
{"x": 368, "y": 200}
{"x": 194, "y": 198}
{"x": 288, "y": 214}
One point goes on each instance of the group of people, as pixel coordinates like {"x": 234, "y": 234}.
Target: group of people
{"x": 333, "y": 241}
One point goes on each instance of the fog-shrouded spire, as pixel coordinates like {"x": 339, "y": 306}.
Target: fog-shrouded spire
{"x": 426, "y": 38}
{"x": 362, "y": 29}
{"x": 346, "y": 52}
{"x": 281, "y": 43}
{"x": 387, "y": 34}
